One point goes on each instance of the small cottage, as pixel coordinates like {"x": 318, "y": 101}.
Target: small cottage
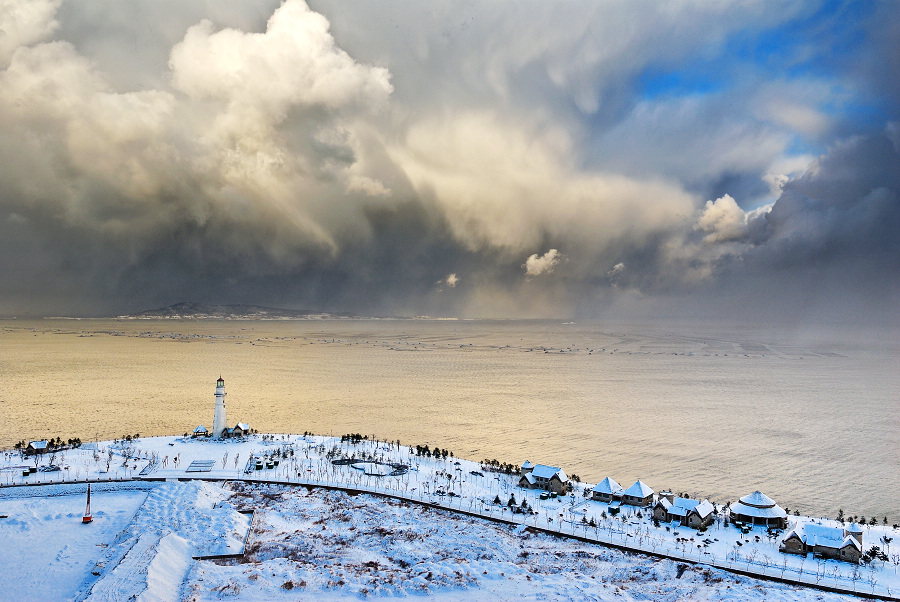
{"x": 240, "y": 429}
{"x": 607, "y": 491}
{"x": 686, "y": 511}
{"x": 548, "y": 478}
{"x": 200, "y": 431}
{"x": 824, "y": 542}
{"x": 639, "y": 494}
{"x": 37, "y": 447}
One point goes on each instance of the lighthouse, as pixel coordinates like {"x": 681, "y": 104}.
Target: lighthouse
{"x": 219, "y": 419}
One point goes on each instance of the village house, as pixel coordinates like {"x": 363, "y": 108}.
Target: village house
{"x": 824, "y": 542}
{"x": 688, "y": 512}
{"x": 548, "y": 478}
{"x": 239, "y": 430}
{"x": 37, "y": 447}
{"x": 759, "y": 509}
{"x": 607, "y": 491}
{"x": 639, "y": 494}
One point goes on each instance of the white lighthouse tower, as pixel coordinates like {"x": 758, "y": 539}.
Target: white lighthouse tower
{"x": 219, "y": 419}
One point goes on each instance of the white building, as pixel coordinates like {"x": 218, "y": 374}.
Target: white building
{"x": 220, "y": 422}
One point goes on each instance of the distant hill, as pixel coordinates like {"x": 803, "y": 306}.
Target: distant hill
{"x": 200, "y": 311}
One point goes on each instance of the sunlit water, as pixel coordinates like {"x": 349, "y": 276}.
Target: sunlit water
{"x": 811, "y": 420}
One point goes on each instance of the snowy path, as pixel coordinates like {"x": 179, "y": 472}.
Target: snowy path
{"x": 155, "y": 552}
{"x": 129, "y": 577}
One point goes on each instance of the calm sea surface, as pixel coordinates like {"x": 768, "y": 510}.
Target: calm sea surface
{"x": 811, "y": 419}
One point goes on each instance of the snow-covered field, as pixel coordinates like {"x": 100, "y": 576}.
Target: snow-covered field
{"x": 146, "y": 536}
{"x": 46, "y": 552}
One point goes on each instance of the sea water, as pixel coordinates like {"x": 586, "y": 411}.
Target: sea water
{"x": 809, "y": 418}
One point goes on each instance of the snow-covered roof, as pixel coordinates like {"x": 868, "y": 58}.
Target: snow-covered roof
{"x": 758, "y": 499}
{"x": 528, "y": 477}
{"x": 758, "y": 505}
{"x": 854, "y": 528}
{"x": 685, "y": 502}
{"x": 526, "y": 465}
{"x": 243, "y": 426}
{"x": 37, "y": 444}
{"x": 607, "y": 485}
{"x": 200, "y": 429}
{"x": 681, "y": 511}
{"x": 682, "y": 506}
{"x": 745, "y": 510}
{"x": 819, "y": 535}
{"x": 704, "y": 508}
{"x": 548, "y": 472}
{"x": 639, "y": 489}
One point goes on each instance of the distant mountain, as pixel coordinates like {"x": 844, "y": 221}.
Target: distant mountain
{"x": 200, "y": 311}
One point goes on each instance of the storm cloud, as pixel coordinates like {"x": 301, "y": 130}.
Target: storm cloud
{"x": 486, "y": 160}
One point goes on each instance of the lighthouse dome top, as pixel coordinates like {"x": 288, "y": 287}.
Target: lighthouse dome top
{"x": 220, "y": 382}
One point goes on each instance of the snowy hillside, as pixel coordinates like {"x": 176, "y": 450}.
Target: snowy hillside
{"x": 230, "y": 530}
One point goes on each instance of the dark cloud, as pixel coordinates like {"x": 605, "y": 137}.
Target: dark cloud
{"x": 444, "y": 158}
{"x": 845, "y": 208}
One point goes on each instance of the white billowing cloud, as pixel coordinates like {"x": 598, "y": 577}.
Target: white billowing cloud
{"x": 217, "y": 146}
{"x": 53, "y": 92}
{"x": 24, "y": 23}
{"x": 295, "y": 62}
{"x": 536, "y": 264}
{"x": 451, "y": 280}
{"x": 616, "y": 270}
{"x": 368, "y": 186}
{"x": 254, "y": 80}
{"x": 722, "y": 221}
{"x": 506, "y": 185}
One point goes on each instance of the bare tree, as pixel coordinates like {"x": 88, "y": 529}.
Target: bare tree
{"x": 751, "y": 556}
{"x": 855, "y": 575}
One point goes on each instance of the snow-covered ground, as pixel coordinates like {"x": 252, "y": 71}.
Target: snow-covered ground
{"x": 146, "y": 535}
{"x": 46, "y": 552}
